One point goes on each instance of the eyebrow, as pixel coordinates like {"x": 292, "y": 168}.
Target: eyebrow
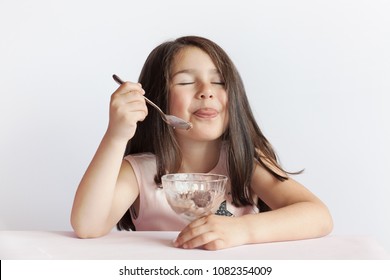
{"x": 192, "y": 71}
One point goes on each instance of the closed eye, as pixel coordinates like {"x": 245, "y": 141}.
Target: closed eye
{"x": 186, "y": 83}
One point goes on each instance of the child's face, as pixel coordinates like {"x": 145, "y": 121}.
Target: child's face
{"x": 198, "y": 95}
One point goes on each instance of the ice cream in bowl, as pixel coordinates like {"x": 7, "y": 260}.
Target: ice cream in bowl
{"x": 194, "y": 195}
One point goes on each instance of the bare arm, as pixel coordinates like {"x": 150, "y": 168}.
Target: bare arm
{"x": 296, "y": 214}
{"x": 109, "y": 187}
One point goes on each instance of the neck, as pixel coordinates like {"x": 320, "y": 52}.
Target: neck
{"x": 199, "y": 157}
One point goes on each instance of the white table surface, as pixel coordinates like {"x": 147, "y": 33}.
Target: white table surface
{"x": 46, "y": 245}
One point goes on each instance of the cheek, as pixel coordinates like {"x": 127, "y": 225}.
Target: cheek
{"x": 177, "y": 105}
{"x": 225, "y": 105}
{"x": 223, "y": 100}
{"x": 226, "y": 117}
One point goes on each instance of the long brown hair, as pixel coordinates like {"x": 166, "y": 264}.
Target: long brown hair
{"x": 244, "y": 140}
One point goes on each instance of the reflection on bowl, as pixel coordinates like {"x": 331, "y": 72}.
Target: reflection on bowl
{"x": 194, "y": 195}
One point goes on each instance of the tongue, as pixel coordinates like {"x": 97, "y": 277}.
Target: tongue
{"x": 206, "y": 113}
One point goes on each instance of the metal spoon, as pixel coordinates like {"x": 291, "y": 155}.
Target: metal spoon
{"x": 173, "y": 121}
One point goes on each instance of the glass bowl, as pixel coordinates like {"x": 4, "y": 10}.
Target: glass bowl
{"x": 194, "y": 195}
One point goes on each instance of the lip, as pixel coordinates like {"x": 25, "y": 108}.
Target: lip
{"x": 206, "y": 113}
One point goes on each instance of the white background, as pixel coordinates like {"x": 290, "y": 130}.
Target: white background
{"x": 316, "y": 72}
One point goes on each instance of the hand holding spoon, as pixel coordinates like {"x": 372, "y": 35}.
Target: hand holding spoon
{"x": 173, "y": 121}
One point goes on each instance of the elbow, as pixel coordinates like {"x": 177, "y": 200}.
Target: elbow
{"x": 83, "y": 234}
{"x": 80, "y": 231}
{"x": 329, "y": 228}
{"x": 84, "y": 231}
{"x": 327, "y": 222}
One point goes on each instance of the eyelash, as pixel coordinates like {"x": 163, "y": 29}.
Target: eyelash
{"x": 183, "y": 84}
{"x": 214, "y": 83}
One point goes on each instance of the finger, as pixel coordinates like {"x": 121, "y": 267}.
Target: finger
{"x": 130, "y": 87}
{"x": 190, "y": 228}
{"x": 118, "y": 99}
{"x": 128, "y": 109}
{"x": 216, "y": 244}
{"x": 191, "y": 231}
{"x": 132, "y": 97}
{"x": 202, "y": 240}
{"x": 134, "y": 107}
{"x": 198, "y": 222}
{"x": 139, "y": 116}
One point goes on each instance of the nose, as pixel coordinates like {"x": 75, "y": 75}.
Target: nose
{"x": 205, "y": 92}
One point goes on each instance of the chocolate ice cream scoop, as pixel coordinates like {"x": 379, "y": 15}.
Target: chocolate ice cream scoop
{"x": 201, "y": 198}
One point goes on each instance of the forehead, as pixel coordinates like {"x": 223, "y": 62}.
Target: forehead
{"x": 191, "y": 58}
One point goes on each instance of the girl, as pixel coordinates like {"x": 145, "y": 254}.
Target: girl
{"x": 193, "y": 79}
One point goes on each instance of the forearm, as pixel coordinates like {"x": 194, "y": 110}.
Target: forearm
{"x": 301, "y": 220}
{"x": 94, "y": 196}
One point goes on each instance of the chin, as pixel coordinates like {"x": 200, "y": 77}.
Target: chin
{"x": 209, "y": 134}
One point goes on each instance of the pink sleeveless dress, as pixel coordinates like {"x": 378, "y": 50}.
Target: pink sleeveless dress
{"x": 154, "y": 213}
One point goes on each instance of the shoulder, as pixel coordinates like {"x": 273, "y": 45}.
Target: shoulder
{"x": 140, "y": 156}
{"x": 278, "y": 193}
{"x": 140, "y": 159}
{"x": 143, "y": 164}
{"x": 263, "y": 178}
